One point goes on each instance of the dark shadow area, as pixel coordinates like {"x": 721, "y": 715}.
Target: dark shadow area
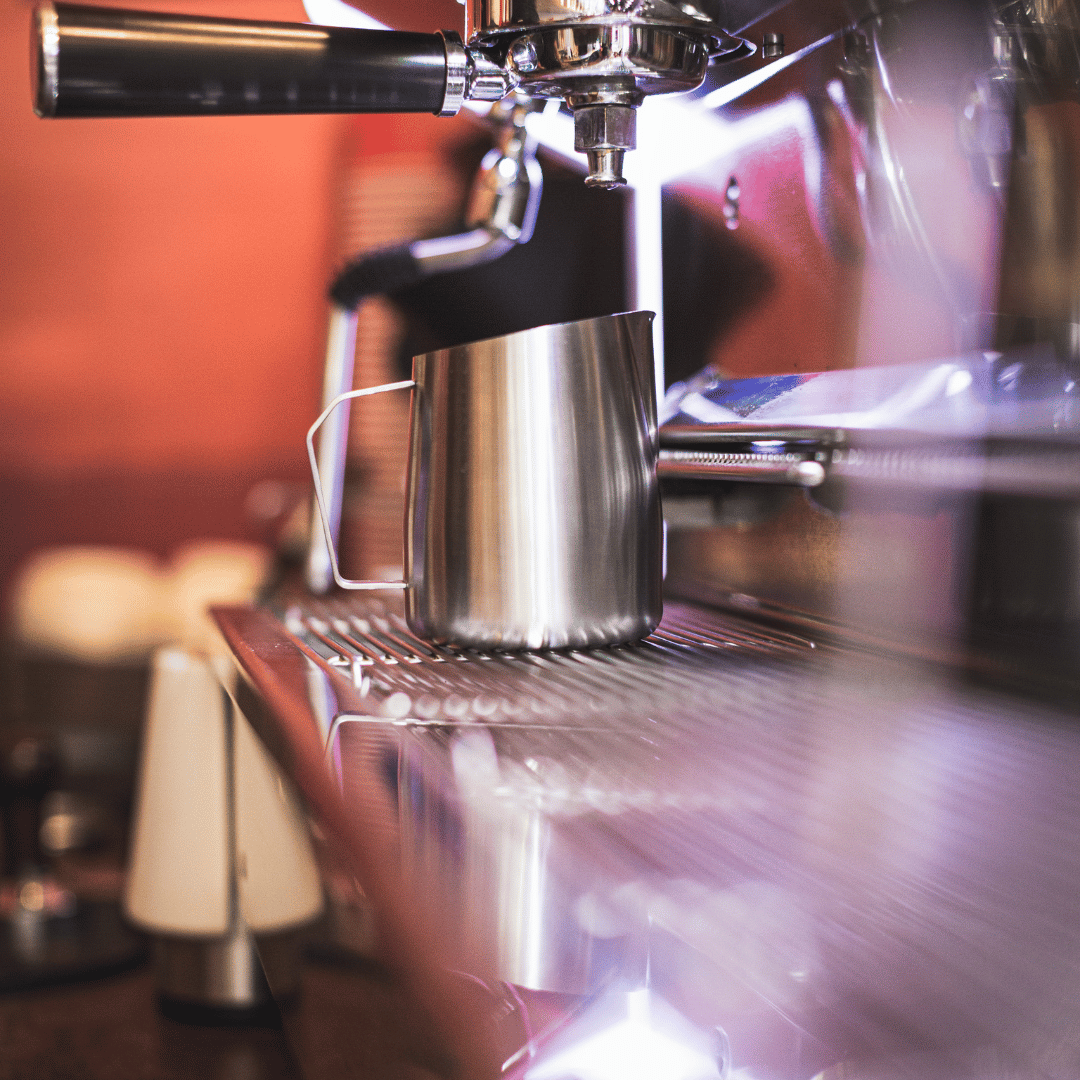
{"x": 711, "y": 279}
{"x": 562, "y": 274}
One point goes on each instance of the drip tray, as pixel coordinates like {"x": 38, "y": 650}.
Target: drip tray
{"x": 397, "y": 675}
{"x": 824, "y": 853}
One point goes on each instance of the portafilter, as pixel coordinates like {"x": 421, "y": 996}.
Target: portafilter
{"x": 601, "y": 57}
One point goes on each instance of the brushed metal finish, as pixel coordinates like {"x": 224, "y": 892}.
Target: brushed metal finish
{"x": 533, "y": 516}
{"x": 511, "y": 876}
{"x": 881, "y": 855}
{"x": 399, "y": 675}
{"x": 829, "y": 856}
{"x": 532, "y": 510}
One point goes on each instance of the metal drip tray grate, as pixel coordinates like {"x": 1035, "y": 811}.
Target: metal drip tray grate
{"x": 400, "y": 675}
{"x": 882, "y": 854}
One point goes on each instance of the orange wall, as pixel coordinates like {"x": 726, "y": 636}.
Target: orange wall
{"x": 162, "y": 312}
{"x": 161, "y": 289}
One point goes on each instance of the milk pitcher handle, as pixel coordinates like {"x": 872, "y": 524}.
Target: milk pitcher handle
{"x": 345, "y": 583}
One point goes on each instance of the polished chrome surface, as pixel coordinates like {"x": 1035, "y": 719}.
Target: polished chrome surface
{"x": 574, "y": 49}
{"x": 604, "y": 72}
{"x": 1016, "y": 467}
{"x": 505, "y": 196}
{"x": 457, "y": 74}
{"x": 557, "y": 63}
{"x": 603, "y": 69}
{"x": 337, "y": 378}
{"x": 532, "y": 509}
{"x": 781, "y": 468}
{"x": 442, "y": 254}
{"x": 772, "y": 46}
{"x": 490, "y": 17}
{"x": 604, "y": 132}
{"x": 533, "y": 516}
{"x": 45, "y": 60}
{"x": 503, "y": 202}
{"x": 489, "y": 80}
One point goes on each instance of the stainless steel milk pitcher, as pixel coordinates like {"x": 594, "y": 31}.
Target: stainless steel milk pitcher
{"x": 532, "y": 510}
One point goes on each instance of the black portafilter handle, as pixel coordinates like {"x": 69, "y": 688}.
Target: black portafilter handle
{"x": 90, "y": 61}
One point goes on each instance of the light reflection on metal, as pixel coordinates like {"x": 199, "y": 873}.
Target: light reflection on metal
{"x": 339, "y": 13}
{"x": 521, "y": 532}
{"x": 630, "y": 1035}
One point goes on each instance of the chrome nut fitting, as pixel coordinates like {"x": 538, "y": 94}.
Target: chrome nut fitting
{"x": 604, "y": 133}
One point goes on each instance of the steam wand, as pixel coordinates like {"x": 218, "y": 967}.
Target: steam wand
{"x": 501, "y": 213}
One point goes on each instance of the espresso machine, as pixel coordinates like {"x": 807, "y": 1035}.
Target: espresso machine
{"x": 823, "y": 819}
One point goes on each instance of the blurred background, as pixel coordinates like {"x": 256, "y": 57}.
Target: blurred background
{"x": 163, "y": 321}
{"x": 162, "y": 327}
{"x": 162, "y": 331}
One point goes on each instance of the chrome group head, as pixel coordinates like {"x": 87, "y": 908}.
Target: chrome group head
{"x": 602, "y": 57}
